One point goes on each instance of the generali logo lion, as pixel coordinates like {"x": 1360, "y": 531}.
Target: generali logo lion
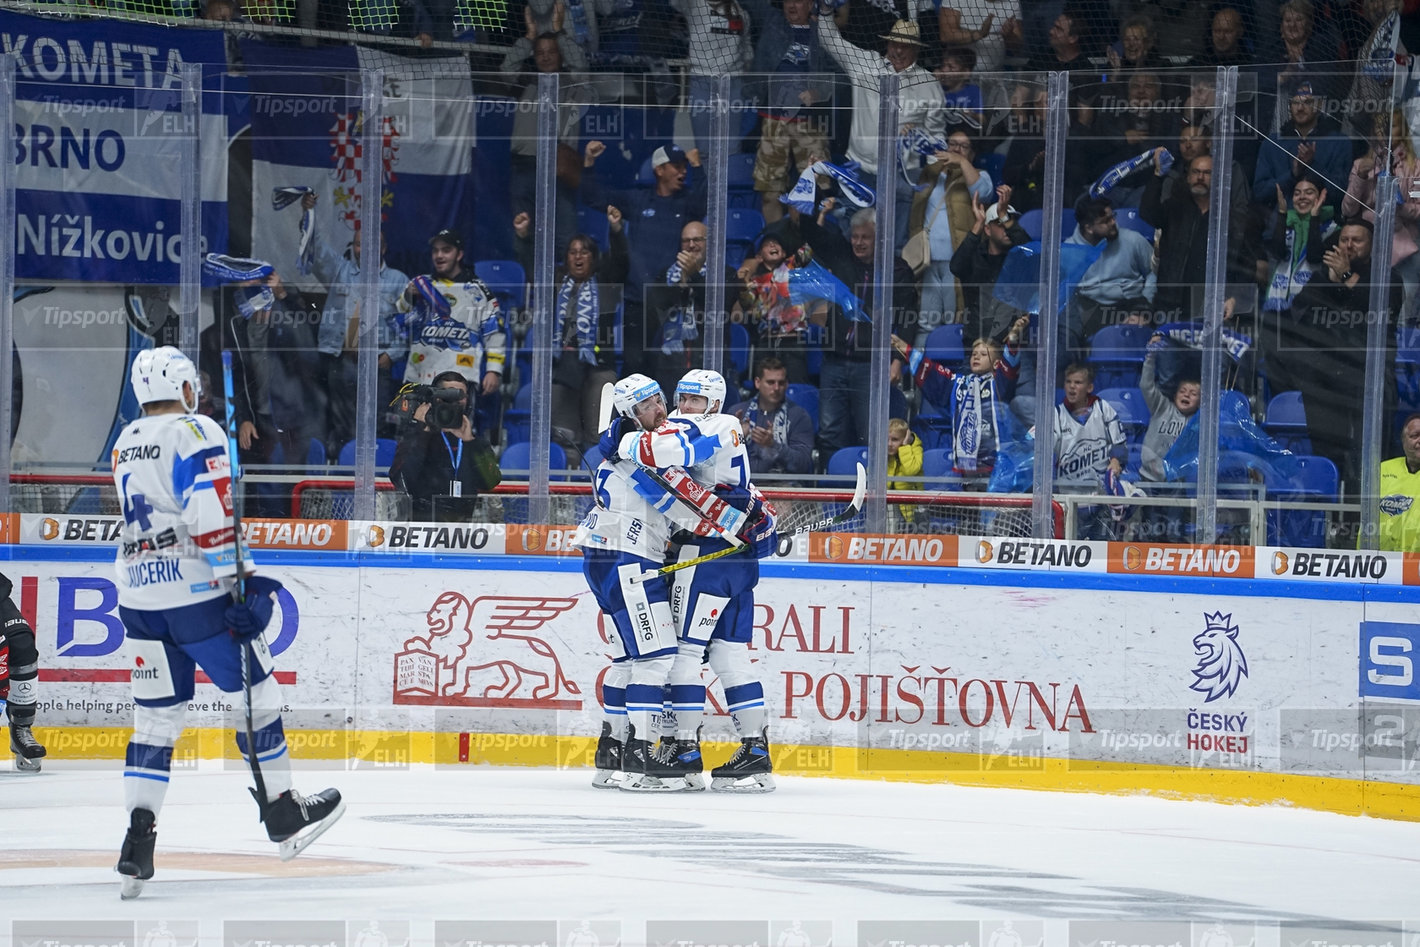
{"x": 484, "y": 653}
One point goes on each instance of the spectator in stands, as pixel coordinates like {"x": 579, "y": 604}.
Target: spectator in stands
{"x": 577, "y": 19}
{"x": 1136, "y": 47}
{"x": 443, "y": 470}
{"x": 904, "y": 461}
{"x": 919, "y": 103}
{"x": 1123, "y": 272}
{"x": 1168, "y": 414}
{"x": 720, "y": 45}
{"x": 453, "y": 320}
{"x": 942, "y": 209}
{"x": 275, "y": 382}
{"x": 1023, "y": 127}
{"x": 973, "y": 399}
{"x": 789, "y": 80}
{"x": 1324, "y": 345}
{"x": 1183, "y": 245}
{"x": 1127, "y": 127}
{"x": 339, "y": 330}
{"x": 844, "y": 377}
{"x": 778, "y": 433}
{"x": 1299, "y": 237}
{"x": 656, "y": 217}
{"x": 1307, "y": 52}
{"x": 1227, "y": 43}
{"x": 222, "y": 11}
{"x": 1196, "y": 139}
{"x": 1089, "y": 442}
{"x": 779, "y": 324}
{"x": 977, "y": 262}
{"x": 1400, "y": 493}
{"x": 961, "y": 97}
{"x": 675, "y": 308}
{"x": 1384, "y": 46}
{"x": 1311, "y": 142}
{"x": 1391, "y": 139}
{"x": 1067, "y": 50}
{"x": 550, "y": 53}
{"x": 589, "y": 291}
{"x": 990, "y": 29}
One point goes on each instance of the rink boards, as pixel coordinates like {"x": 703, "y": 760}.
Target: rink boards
{"x": 1252, "y": 675}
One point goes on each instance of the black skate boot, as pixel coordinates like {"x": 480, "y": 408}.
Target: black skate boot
{"x": 749, "y": 770}
{"x": 669, "y": 766}
{"x": 296, "y": 821}
{"x": 135, "y": 858}
{"x": 608, "y": 760}
{"x": 28, "y": 751}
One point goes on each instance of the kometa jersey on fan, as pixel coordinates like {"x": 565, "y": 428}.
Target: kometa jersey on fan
{"x": 458, "y": 341}
{"x": 178, "y": 546}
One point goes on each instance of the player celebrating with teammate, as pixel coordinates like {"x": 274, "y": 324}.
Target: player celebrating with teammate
{"x": 714, "y": 600}
{"x": 177, "y": 568}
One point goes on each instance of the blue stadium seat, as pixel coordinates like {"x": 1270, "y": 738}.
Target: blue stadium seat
{"x": 1032, "y": 223}
{"x": 743, "y": 224}
{"x": 937, "y": 463}
{"x": 1128, "y": 219}
{"x": 1319, "y": 483}
{"x": 1117, "y": 353}
{"x": 506, "y": 280}
{"x": 806, "y": 397}
{"x": 1407, "y": 366}
{"x": 933, "y": 425}
{"x": 1133, "y": 411}
{"x": 1286, "y": 420}
{"x": 515, "y": 458}
{"x": 592, "y": 457}
{"x": 593, "y": 223}
{"x": 384, "y": 452}
{"x": 743, "y": 198}
{"x": 844, "y": 463}
{"x": 738, "y": 345}
{"x": 742, "y": 171}
{"x": 517, "y": 420}
{"x": 947, "y": 344}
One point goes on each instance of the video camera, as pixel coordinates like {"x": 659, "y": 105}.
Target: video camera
{"x": 446, "y": 405}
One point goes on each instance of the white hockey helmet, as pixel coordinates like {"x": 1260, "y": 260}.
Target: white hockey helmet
{"x": 158, "y": 375}
{"x": 631, "y": 391}
{"x": 702, "y": 381}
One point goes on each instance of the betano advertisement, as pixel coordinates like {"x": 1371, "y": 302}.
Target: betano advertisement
{"x": 870, "y": 673}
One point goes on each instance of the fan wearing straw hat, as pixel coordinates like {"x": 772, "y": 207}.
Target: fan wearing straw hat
{"x": 919, "y": 103}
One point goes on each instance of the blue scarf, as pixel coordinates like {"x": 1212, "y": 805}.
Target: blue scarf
{"x": 232, "y": 269}
{"x": 283, "y": 197}
{"x": 1119, "y": 172}
{"x": 801, "y": 197}
{"x": 588, "y": 308}
{"x": 679, "y": 326}
{"x": 916, "y": 142}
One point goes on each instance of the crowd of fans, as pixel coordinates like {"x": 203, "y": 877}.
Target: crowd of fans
{"x": 1319, "y": 118}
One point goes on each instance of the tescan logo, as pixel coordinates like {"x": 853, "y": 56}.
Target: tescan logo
{"x": 1221, "y": 662}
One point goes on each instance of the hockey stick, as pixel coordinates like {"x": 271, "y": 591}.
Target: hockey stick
{"x": 842, "y": 516}
{"x": 260, "y": 791}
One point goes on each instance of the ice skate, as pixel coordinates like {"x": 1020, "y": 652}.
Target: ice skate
{"x": 295, "y": 821}
{"x": 135, "y": 858}
{"x": 669, "y": 766}
{"x": 609, "y": 773}
{"x": 28, "y": 751}
{"x": 749, "y": 770}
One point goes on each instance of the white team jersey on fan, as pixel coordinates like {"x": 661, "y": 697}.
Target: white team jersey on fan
{"x": 459, "y": 341}
{"x": 175, "y": 485}
{"x": 679, "y": 443}
{"x": 635, "y": 515}
{"x": 1083, "y": 448}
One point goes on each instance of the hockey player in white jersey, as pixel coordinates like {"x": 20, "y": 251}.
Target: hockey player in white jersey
{"x": 714, "y": 602}
{"x": 624, "y": 540}
{"x": 176, "y": 564}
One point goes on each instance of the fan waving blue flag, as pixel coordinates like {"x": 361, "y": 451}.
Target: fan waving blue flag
{"x": 1018, "y": 285}
{"x": 811, "y": 281}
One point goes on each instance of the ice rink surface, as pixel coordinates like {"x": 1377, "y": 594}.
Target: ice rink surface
{"x": 469, "y": 856}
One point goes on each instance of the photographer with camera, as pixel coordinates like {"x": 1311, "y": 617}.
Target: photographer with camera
{"x": 441, "y": 462}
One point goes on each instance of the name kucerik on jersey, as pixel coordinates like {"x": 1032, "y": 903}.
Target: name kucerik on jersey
{"x": 154, "y": 571}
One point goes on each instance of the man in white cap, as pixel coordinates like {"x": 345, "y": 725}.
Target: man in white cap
{"x": 919, "y": 103}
